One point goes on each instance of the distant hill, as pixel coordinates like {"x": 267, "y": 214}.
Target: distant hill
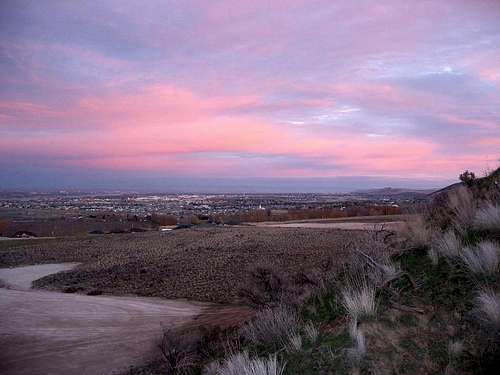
{"x": 396, "y": 194}
{"x": 479, "y": 186}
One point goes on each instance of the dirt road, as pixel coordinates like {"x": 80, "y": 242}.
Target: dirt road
{"x": 56, "y": 333}
{"x": 390, "y": 225}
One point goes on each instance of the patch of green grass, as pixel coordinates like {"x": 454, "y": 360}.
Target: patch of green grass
{"x": 408, "y": 320}
{"x": 318, "y": 359}
{"x": 410, "y": 346}
{"x": 445, "y": 284}
{"x": 336, "y": 342}
{"x": 324, "y": 308}
{"x": 438, "y": 352}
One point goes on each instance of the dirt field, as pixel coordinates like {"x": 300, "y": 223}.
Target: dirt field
{"x": 203, "y": 264}
{"x": 60, "y": 333}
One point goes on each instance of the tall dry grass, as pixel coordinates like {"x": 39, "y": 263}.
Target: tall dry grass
{"x": 488, "y": 306}
{"x": 447, "y": 245}
{"x": 358, "y": 298}
{"x": 482, "y": 259}
{"x": 242, "y": 364}
{"x": 358, "y": 351}
{"x": 416, "y": 231}
{"x": 463, "y": 208}
{"x": 272, "y": 327}
{"x": 488, "y": 217}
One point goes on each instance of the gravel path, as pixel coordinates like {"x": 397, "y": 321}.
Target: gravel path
{"x": 54, "y": 333}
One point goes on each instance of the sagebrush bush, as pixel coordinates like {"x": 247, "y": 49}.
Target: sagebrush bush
{"x": 482, "y": 259}
{"x": 271, "y": 327}
{"x": 263, "y": 286}
{"x": 488, "y": 218}
{"x": 242, "y": 364}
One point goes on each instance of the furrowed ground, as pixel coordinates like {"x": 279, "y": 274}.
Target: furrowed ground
{"x": 204, "y": 264}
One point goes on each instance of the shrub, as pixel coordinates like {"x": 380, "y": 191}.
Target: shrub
{"x": 264, "y": 286}
{"x": 482, "y": 259}
{"x": 3, "y": 226}
{"x": 359, "y": 298}
{"x": 467, "y": 178}
{"x": 488, "y": 218}
{"x": 163, "y": 220}
{"x": 179, "y": 351}
{"x": 488, "y": 304}
{"x": 242, "y": 364}
{"x": 272, "y": 327}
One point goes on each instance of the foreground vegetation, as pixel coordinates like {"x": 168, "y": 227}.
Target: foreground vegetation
{"x": 424, "y": 302}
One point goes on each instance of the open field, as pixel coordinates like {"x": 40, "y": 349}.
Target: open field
{"x": 203, "y": 264}
{"x": 364, "y": 223}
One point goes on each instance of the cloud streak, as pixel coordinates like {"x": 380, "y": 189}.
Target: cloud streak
{"x": 226, "y": 89}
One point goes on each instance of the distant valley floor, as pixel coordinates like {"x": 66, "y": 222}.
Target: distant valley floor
{"x": 203, "y": 264}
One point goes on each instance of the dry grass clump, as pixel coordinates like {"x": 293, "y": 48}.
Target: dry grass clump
{"x": 488, "y": 217}
{"x": 272, "y": 327}
{"x": 242, "y": 364}
{"x": 358, "y": 351}
{"x": 488, "y": 305}
{"x": 482, "y": 259}
{"x": 359, "y": 298}
{"x": 447, "y": 245}
{"x": 455, "y": 350}
{"x": 416, "y": 232}
{"x": 311, "y": 332}
{"x": 463, "y": 206}
{"x": 294, "y": 342}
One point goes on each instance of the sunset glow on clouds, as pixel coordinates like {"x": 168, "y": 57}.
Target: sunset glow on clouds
{"x": 249, "y": 89}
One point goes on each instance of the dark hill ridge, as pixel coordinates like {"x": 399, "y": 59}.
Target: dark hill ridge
{"x": 479, "y": 186}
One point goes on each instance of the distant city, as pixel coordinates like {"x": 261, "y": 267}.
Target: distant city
{"x": 202, "y": 204}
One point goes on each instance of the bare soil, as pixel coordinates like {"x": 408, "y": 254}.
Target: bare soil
{"x": 203, "y": 264}
{"x": 54, "y": 333}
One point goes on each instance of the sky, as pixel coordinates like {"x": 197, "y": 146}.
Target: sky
{"x": 308, "y": 94}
